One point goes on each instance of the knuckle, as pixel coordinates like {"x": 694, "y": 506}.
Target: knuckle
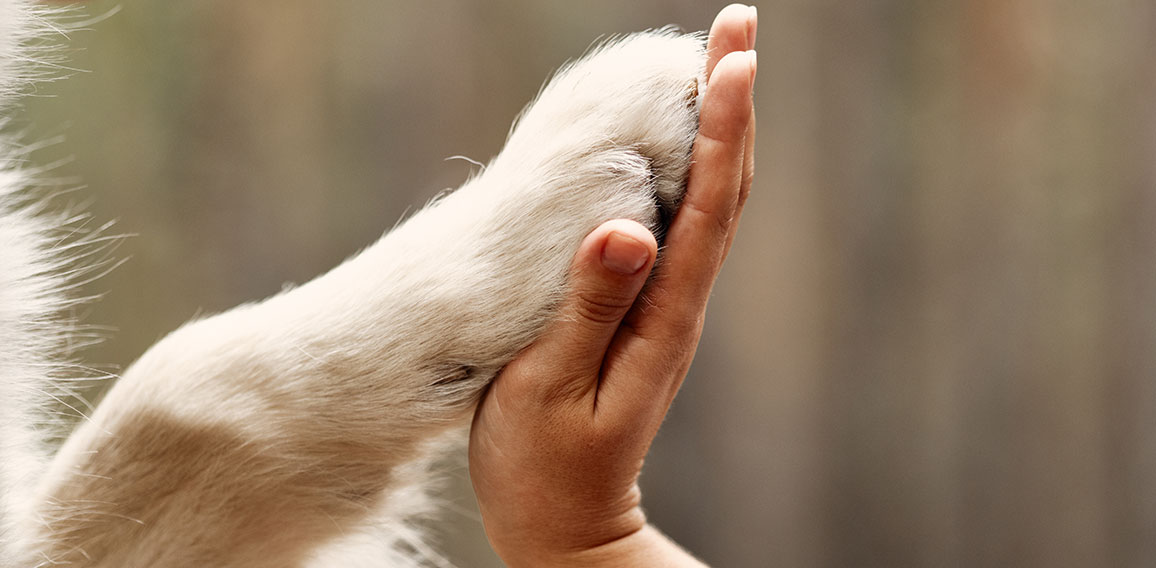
{"x": 719, "y": 222}
{"x": 601, "y": 307}
{"x": 549, "y": 384}
{"x": 685, "y": 330}
{"x": 562, "y": 392}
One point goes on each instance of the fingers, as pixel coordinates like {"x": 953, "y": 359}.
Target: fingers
{"x": 650, "y": 355}
{"x": 657, "y": 343}
{"x": 733, "y": 30}
{"x": 748, "y": 178}
{"x": 696, "y": 241}
{"x": 607, "y": 273}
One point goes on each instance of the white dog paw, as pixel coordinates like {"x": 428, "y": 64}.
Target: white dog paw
{"x": 608, "y": 138}
{"x": 620, "y": 120}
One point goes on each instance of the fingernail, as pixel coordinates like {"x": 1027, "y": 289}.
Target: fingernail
{"x": 754, "y": 59}
{"x": 623, "y": 254}
{"x": 752, "y": 26}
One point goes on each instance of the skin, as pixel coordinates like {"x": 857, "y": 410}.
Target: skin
{"x": 559, "y": 439}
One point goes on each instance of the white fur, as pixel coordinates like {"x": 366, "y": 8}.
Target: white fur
{"x": 31, "y": 328}
{"x": 27, "y": 302}
{"x": 298, "y": 431}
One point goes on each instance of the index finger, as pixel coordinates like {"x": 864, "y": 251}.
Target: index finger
{"x": 733, "y": 29}
{"x": 698, "y": 235}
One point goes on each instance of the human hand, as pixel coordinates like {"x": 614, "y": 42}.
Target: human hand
{"x": 558, "y": 441}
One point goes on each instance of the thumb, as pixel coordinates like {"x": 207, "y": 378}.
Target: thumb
{"x": 607, "y": 273}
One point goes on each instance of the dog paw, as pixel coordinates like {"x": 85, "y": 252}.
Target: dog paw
{"x": 619, "y": 121}
{"x": 609, "y": 137}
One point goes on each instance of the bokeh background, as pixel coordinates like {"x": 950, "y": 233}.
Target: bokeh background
{"x": 934, "y": 343}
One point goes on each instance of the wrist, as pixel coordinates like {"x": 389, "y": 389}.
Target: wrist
{"x": 646, "y": 547}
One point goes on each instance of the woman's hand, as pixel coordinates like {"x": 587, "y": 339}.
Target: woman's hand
{"x": 559, "y": 439}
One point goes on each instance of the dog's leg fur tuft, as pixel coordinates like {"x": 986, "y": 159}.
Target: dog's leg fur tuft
{"x": 44, "y": 252}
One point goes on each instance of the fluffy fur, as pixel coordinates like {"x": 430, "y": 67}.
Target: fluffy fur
{"x": 297, "y": 431}
{"x": 32, "y": 331}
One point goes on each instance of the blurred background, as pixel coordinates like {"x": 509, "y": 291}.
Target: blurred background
{"x": 934, "y": 343}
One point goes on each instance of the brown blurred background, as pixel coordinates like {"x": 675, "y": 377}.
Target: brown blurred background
{"x": 934, "y": 343}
